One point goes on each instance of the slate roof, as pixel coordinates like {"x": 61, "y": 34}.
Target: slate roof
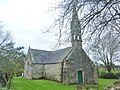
{"x": 39, "y": 56}
{"x": 43, "y": 57}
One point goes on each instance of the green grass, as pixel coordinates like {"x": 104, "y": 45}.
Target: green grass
{"x": 105, "y": 82}
{"x": 24, "y": 84}
{"x": 20, "y": 83}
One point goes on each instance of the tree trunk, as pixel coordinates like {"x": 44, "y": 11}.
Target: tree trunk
{"x": 8, "y": 84}
{"x": 8, "y": 79}
{"x": 108, "y": 68}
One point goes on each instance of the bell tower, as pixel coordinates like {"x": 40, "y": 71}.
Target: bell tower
{"x": 75, "y": 28}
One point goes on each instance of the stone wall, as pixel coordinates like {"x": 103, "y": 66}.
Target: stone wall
{"x": 48, "y": 71}
{"x": 28, "y": 67}
{"x": 79, "y": 61}
{"x": 53, "y": 71}
{"x": 38, "y": 71}
{"x": 28, "y": 72}
{"x": 88, "y": 68}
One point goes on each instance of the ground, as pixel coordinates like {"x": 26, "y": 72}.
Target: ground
{"x": 19, "y": 83}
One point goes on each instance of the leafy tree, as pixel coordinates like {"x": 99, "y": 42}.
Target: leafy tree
{"x": 11, "y": 58}
{"x": 107, "y": 50}
{"x": 11, "y": 61}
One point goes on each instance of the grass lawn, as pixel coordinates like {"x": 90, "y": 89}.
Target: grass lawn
{"x": 24, "y": 84}
{"x": 20, "y": 83}
{"x": 105, "y": 82}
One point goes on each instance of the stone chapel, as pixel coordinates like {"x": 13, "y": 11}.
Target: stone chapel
{"x": 70, "y": 65}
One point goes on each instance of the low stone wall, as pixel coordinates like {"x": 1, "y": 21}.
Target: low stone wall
{"x": 114, "y": 86}
{"x": 88, "y": 87}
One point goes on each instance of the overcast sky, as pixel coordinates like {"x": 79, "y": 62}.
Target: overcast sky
{"x": 25, "y": 19}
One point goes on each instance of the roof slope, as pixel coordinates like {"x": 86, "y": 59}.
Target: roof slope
{"x": 39, "y": 56}
{"x": 58, "y": 55}
{"x": 42, "y": 56}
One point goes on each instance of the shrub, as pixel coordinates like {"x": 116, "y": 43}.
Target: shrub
{"x": 111, "y": 75}
{"x": 108, "y": 75}
{"x": 118, "y": 75}
{"x": 103, "y": 75}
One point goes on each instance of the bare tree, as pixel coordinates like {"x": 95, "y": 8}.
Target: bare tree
{"x": 107, "y": 50}
{"x": 5, "y": 36}
{"x": 97, "y": 17}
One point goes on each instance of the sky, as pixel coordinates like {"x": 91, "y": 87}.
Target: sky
{"x": 26, "y": 19}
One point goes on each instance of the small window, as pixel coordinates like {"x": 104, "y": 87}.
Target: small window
{"x": 78, "y": 38}
{"x": 74, "y": 37}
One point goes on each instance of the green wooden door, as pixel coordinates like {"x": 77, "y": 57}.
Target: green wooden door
{"x": 80, "y": 77}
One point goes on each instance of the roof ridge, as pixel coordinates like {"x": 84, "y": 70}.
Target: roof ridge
{"x": 40, "y": 50}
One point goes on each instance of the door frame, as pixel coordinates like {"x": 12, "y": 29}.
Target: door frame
{"x": 82, "y": 76}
